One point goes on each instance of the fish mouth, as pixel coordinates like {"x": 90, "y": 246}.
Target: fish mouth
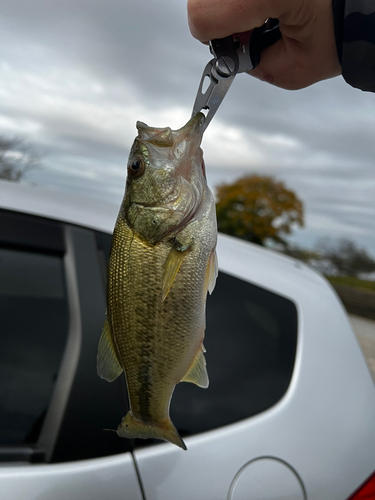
{"x": 194, "y": 126}
{"x": 187, "y": 142}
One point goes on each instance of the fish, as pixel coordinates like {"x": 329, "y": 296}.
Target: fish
{"x": 162, "y": 263}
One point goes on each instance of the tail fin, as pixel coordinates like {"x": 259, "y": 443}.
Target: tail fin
{"x": 131, "y": 427}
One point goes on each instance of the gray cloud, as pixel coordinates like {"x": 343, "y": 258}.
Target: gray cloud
{"x": 75, "y": 75}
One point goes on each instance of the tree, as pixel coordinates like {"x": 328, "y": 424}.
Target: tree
{"x": 258, "y": 208}
{"x": 16, "y": 158}
{"x": 304, "y": 254}
{"x": 347, "y": 258}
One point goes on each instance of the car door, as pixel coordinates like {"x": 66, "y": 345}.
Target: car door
{"x": 53, "y": 406}
{"x": 251, "y": 339}
{"x": 290, "y": 408}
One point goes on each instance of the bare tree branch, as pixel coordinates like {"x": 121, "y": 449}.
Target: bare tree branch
{"x": 17, "y": 158}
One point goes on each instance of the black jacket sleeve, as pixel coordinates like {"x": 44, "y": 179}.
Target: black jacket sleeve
{"x": 354, "y": 22}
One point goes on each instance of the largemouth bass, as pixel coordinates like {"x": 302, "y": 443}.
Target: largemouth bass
{"x": 162, "y": 263}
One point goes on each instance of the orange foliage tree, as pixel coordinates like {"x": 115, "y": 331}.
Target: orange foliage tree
{"x": 258, "y": 208}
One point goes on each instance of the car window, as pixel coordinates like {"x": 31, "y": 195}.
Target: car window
{"x": 250, "y": 340}
{"x": 94, "y": 405}
{"x": 33, "y": 331}
{"x": 251, "y": 337}
{"x": 53, "y": 406}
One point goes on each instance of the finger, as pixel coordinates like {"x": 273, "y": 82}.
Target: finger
{"x": 294, "y": 65}
{"x": 282, "y": 66}
{"x": 210, "y": 19}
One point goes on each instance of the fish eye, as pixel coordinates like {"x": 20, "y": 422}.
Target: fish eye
{"x": 136, "y": 168}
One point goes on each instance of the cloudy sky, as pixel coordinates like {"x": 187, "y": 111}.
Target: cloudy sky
{"x": 75, "y": 76}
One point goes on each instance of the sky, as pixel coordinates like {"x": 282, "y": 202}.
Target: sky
{"x": 76, "y": 75}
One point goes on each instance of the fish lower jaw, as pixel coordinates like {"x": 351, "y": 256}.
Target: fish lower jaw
{"x": 132, "y": 427}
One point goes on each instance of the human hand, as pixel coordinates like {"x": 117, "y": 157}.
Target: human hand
{"x": 306, "y": 52}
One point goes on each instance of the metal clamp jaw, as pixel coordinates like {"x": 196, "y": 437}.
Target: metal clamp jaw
{"x": 233, "y": 54}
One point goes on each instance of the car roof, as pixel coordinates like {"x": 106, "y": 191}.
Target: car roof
{"x": 67, "y": 207}
{"x": 237, "y": 257}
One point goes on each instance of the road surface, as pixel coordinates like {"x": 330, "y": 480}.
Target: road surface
{"x": 365, "y": 332}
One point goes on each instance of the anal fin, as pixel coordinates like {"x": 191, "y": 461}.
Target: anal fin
{"x": 108, "y": 366}
{"x": 197, "y": 373}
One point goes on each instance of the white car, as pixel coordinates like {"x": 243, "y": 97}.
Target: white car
{"x": 289, "y": 414}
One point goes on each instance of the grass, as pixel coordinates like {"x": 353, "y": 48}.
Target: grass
{"x": 354, "y": 282}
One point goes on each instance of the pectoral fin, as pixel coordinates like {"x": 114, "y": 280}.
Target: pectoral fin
{"x": 172, "y": 265}
{"x": 197, "y": 373}
{"x": 211, "y": 272}
{"x": 108, "y": 366}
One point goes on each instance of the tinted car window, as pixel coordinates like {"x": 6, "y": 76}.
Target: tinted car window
{"x": 250, "y": 340}
{"x": 94, "y": 404}
{"x": 53, "y": 406}
{"x": 34, "y": 325}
